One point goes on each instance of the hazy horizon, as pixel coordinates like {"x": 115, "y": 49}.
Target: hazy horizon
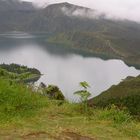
{"x": 118, "y": 9}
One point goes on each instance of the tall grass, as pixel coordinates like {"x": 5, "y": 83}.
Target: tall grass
{"x": 114, "y": 114}
{"x": 16, "y": 100}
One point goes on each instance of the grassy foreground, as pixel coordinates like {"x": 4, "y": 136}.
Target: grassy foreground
{"x": 25, "y": 114}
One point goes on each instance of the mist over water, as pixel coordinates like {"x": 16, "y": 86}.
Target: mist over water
{"x": 63, "y": 68}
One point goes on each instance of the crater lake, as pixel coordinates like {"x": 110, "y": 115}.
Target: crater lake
{"x": 62, "y": 66}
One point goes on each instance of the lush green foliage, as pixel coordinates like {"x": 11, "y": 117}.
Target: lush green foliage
{"x": 15, "y": 68}
{"x": 35, "y": 115}
{"x": 84, "y": 94}
{"x": 53, "y": 92}
{"x": 16, "y": 72}
{"x": 126, "y": 94}
{"x": 119, "y": 116}
{"x": 16, "y": 100}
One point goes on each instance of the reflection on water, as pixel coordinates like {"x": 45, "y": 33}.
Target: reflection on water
{"x": 62, "y": 68}
{"x": 16, "y": 35}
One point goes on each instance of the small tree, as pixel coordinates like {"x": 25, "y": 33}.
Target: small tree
{"x": 84, "y": 94}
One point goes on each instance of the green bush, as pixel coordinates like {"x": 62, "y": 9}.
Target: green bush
{"x": 53, "y": 92}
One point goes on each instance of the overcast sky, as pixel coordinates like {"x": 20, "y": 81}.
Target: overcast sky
{"x": 125, "y": 9}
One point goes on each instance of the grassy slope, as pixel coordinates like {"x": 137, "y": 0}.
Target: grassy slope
{"x": 104, "y": 43}
{"x": 18, "y": 73}
{"x": 25, "y": 114}
{"x": 127, "y": 93}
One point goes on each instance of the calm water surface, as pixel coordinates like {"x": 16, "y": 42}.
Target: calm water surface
{"x": 61, "y": 66}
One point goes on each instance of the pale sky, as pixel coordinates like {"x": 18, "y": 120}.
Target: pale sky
{"x": 124, "y": 9}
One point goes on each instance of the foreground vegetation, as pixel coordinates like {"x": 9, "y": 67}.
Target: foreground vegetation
{"x": 42, "y": 114}
{"x": 25, "y": 114}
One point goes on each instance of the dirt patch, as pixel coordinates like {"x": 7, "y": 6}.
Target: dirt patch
{"x": 35, "y": 135}
{"x": 42, "y": 135}
{"x": 73, "y": 136}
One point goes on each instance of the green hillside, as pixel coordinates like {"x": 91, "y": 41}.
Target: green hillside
{"x": 14, "y": 72}
{"x": 105, "y": 44}
{"x": 126, "y": 94}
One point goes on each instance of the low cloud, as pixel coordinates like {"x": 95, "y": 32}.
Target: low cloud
{"x": 83, "y": 13}
{"x": 118, "y": 9}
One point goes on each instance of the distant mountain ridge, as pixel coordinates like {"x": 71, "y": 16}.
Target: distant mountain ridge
{"x": 78, "y": 27}
{"x": 57, "y": 18}
{"x": 15, "y": 5}
{"x": 66, "y": 9}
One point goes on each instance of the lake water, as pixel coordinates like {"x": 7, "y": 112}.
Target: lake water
{"x": 62, "y": 66}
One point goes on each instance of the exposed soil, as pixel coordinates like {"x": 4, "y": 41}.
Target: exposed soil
{"x": 73, "y": 136}
{"x": 36, "y": 136}
{"x": 42, "y": 135}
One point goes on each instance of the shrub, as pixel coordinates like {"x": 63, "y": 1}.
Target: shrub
{"x": 53, "y": 92}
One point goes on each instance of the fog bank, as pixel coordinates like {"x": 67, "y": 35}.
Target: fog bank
{"x": 118, "y": 9}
